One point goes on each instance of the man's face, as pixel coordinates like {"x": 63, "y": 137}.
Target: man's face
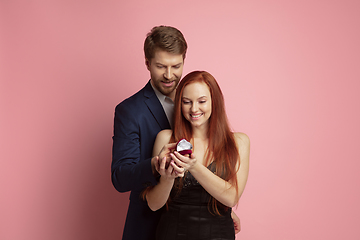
{"x": 165, "y": 71}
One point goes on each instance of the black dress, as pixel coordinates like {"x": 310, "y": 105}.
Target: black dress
{"x": 188, "y": 216}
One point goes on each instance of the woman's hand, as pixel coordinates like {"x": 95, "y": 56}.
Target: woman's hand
{"x": 171, "y": 172}
{"x": 185, "y": 162}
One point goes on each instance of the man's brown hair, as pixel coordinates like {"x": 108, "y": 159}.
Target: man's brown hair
{"x": 164, "y": 38}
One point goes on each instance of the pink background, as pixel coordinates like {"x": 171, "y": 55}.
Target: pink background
{"x": 290, "y": 72}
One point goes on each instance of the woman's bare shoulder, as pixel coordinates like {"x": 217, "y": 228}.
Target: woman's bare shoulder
{"x": 239, "y": 136}
{"x": 166, "y": 133}
{"x": 242, "y": 140}
{"x": 162, "y": 138}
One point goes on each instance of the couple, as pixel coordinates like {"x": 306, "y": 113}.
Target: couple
{"x": 191, "y": 197}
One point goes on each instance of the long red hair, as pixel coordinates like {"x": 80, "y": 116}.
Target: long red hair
{"x": 222, "y": 148}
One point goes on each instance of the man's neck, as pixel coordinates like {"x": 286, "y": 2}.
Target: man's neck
{"x": 171, "y": 95}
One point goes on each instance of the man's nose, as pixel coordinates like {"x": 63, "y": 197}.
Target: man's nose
{"x": 168, "y": 73}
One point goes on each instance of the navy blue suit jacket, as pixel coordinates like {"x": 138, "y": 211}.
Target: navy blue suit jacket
{"x": 138, "y": 120}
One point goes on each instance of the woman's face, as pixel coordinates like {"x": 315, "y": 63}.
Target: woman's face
{"x": 196, "y": 104}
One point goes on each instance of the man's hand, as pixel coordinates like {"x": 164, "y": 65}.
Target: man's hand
{"x": 236, "y": 221}
{"x": 165, "y": 152}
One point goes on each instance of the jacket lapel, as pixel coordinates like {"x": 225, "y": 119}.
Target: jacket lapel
{"x": 155, "y": 107}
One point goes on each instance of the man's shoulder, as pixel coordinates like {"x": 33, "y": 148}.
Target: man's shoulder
{"x": 137, "y": 99}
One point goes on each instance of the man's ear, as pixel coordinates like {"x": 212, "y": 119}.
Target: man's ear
{"x": 147, "y": 63}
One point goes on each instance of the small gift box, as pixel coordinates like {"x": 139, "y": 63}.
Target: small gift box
{"x": 184, "y": 147}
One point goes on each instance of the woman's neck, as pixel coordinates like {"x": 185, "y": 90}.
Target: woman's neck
{"x": 200, "y": 132}
{"x": 200, "y": 147}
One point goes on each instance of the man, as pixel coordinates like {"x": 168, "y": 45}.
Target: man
{"x": 137, "y": 121}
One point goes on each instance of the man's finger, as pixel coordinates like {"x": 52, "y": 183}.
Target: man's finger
{"x": 170, "y": 145}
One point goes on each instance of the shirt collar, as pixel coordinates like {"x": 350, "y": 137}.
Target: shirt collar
{"x": 159, "y": 95}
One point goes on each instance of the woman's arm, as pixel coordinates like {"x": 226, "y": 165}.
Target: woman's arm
{"x": 221, "y": 190}
{"x": 157, "y": 196}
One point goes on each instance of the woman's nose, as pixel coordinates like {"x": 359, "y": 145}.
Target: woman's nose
{"x": 194, "y": 107}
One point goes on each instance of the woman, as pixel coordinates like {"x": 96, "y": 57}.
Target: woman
{"x": 199, "y": 189}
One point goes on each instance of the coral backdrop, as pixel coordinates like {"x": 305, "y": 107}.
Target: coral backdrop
{"x": 290, "y": 73}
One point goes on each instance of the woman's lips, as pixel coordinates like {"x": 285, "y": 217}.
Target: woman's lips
{"x": 196, "y": 116}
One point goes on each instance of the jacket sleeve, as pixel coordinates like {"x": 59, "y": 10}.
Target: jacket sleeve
{"x": 128, "y": 171}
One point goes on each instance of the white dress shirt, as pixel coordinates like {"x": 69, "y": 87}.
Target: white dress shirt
{"x": 167, "y": 104}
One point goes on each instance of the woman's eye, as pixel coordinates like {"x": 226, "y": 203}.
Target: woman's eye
{"x": 186, "y": 102}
